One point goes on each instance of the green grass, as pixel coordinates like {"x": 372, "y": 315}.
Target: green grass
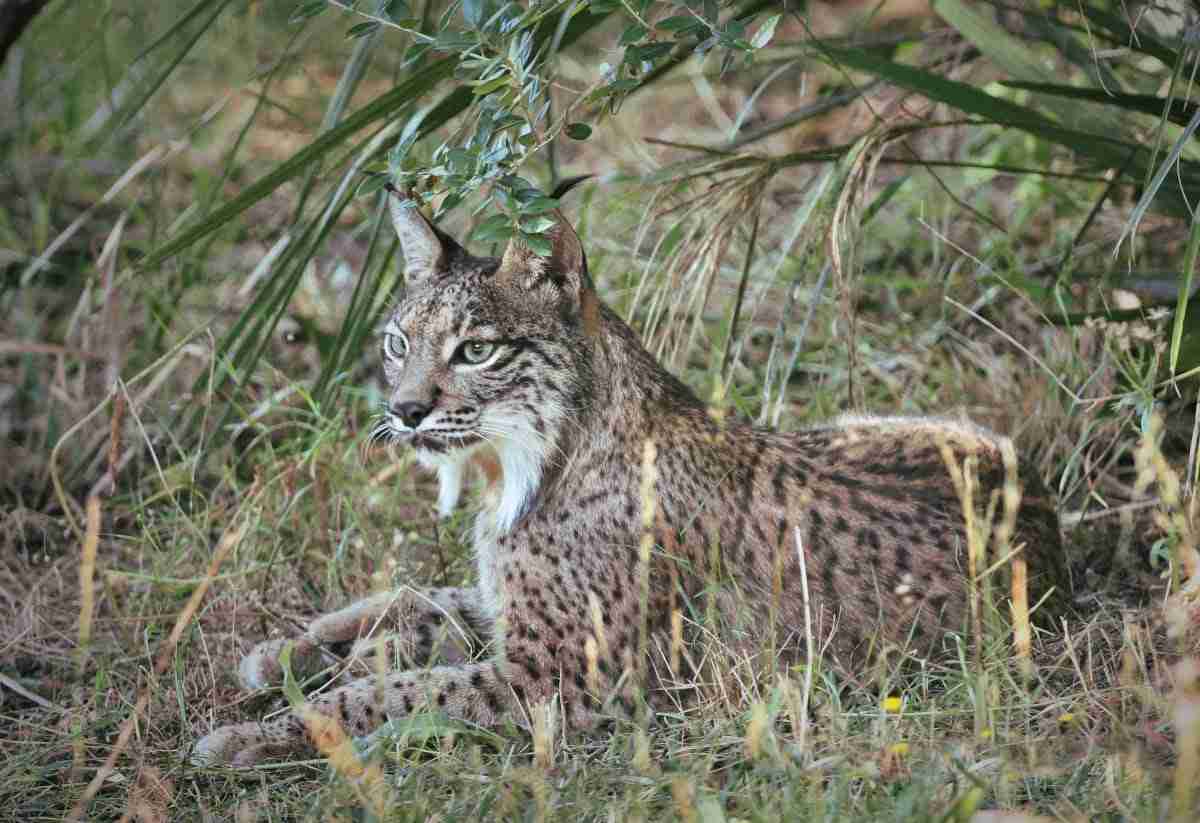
{"x": 246, "y": 390}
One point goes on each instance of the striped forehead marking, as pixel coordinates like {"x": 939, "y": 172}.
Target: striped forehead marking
{"x": 448, "y": 308}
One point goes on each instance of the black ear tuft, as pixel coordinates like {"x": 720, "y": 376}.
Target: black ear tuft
{"x": 427, "y": 249}
{"x": 566, "y": 184}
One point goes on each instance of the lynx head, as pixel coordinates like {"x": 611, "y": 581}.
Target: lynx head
{"x": 486, "y": 353}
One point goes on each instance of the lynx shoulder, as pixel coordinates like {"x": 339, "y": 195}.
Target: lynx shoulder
{"x": 513, "y": 369}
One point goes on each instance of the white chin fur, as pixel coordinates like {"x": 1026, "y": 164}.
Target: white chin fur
{"x": 522, "y": 472}
{"x": 451, "y": 472}
{"x": 522, "y": 455}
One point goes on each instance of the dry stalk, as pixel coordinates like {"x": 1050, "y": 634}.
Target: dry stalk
{"x": 800, "y": 718}
{"x": 591, "y": 652}
{"x": 859, "y": 169}
{"x": 649, "y": 506}
{"x": 543, "y": 736}
{"x": 87, "y": 576}
{"x": 229, "y": 540}
{"x": 1001, "y": 546}
{"x": 642, "y": 762}
{"x": 1186, "y": 718}
{"x": 756, "y": 730}
{"x": 965, "y": 479}
{"x": 1172, "y": 517}
{"x": 676, "y": 642}
{"x": 683, "y": 792}
{"x": 366, "y": 779}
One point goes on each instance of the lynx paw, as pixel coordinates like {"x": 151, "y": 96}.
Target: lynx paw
{"x": 261, "y": 668}
{"x": 237, "y": 746}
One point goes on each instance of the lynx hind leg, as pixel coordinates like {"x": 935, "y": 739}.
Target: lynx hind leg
{"x": 476, "y": 692}
{"x": 416, "y": 622}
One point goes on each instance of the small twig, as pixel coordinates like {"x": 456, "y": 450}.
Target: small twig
{"x": 31, "y": 347}
{"x": 13, "y": 685}
{"x": 1019, "y": 346}
{"x": 382, "y": 21}
{"x": 1075, "y": 518}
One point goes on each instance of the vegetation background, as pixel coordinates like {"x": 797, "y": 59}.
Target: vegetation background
{"x": 962, "y": 208}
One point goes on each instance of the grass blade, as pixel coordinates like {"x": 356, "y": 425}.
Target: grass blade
{"x": 1017, "y": 59}
{"x": 1107, "y": 151}
{"x": 1178, "y": 111}
{"x": 116, "y": 122}
{"x": 386, "y": 105}
{"x": 1185, "y": 293}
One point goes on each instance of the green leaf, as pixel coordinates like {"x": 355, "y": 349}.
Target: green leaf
{"x": 617, "y": 87}
{"x": 291, "y": 688}
{"x": 362, "y": 29}
{"x": 540, "y": 205}
{"x": 490, "y": 86}
{"x": 578, "y": 131}
{"x": 309, "y": 9}
{"x": 494, "y": 229}
{"x": 537, "y": 243}
{"x": 648, "y": 52}
{"x": 473, "y": 12}
{"x": 765, "y": 32}
{"x": 454, "y": 41}
{"x": 680, "y": 22}
{"x": 414, "y": 52}
{"x": 882, "y": 200}
{"x": 395, "y": 10}
{"x": 685, "y": 50}
{"x": 537, "y": 225}
{"x": 460, "y": 161}
{"x": 371, "y": 184}
{"x": 632, "y": 34}
{"x": 381, "y": 108}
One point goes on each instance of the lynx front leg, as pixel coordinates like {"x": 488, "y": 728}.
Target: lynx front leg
{"x": 477, "y": 692}
{"x": 416, "y": 621}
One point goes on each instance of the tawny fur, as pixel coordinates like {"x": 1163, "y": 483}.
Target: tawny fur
{"x": 556, "y": 419}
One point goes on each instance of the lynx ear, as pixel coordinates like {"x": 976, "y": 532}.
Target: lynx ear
{"x": 566, "y": 267}
{"x": 423, "y": 247}
{"x": 565, "y": 270}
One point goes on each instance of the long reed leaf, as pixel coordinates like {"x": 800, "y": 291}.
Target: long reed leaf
{"x": 386, "y": 105}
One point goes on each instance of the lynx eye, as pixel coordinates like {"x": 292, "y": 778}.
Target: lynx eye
{"x": 475, "y": 351}
{"x": 395, "y": 346}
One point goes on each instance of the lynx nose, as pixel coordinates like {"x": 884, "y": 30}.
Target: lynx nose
{"x": 411, "y": 413}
